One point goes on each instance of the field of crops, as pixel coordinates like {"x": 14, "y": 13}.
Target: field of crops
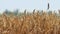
{"x": 30, "y": 23}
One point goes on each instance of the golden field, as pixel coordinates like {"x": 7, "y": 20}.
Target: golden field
{"x": 34, "y": 23}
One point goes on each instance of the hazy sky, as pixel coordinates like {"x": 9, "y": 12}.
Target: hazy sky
{"x": 28, "y": 4}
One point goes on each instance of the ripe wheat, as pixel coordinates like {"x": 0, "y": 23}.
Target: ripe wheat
{"x": 35, "y": 23}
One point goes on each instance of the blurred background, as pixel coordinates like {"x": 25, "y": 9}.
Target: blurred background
{"x": 29, "y": 5}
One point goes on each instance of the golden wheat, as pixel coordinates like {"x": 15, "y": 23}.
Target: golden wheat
{"x": 30, "y": 24}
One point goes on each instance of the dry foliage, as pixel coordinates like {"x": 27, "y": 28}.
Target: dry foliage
{"x": 35, "y": 23}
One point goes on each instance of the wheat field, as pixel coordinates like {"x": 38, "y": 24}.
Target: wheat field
{"x": 34, "y": 23}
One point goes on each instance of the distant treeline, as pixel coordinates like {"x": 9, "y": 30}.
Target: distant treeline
{"x": 17, "y": 12}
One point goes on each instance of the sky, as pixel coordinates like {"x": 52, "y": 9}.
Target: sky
{"x": 28, "y": 4}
